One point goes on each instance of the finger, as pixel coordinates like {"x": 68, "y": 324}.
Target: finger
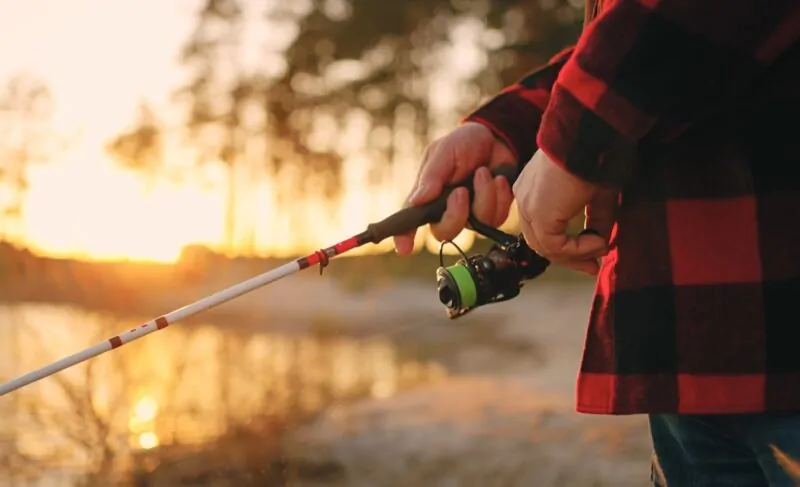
{"x": 589, "y": 266}
{"x": 503, "y": 199}
{"x": 483, "y": 207}
{"x": 455, "y": 216}
{"x": 590, "y": 246}
{"x": 404, "y": 244}
{"x": 564, "y": 249}
{"x": 602, "y": 224}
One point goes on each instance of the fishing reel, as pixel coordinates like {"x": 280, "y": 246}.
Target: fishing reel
{"x": 496, "y": 276}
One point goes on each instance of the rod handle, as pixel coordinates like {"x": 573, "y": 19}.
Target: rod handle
{"x": 413, "y": 217}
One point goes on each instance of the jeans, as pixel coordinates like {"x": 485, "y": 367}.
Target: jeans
{"x": 724, "y": 450}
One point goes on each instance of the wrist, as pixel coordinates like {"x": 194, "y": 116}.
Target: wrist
{"x": 503, "y": 146}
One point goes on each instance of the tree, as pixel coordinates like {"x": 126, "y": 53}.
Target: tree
{"x": 26, "y": 138}
{"x": 382, "y": 61}
{"x": 216, "y": 94}
{"x": 393, "y": 51}
{"x": 531, "y": 33}
{"x": 350, "y": 59}
{"x": 141, "y": 147}
{"x": 352, "y": 78}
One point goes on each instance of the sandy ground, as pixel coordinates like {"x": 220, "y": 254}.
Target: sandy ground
{"x": 504, "y": 416}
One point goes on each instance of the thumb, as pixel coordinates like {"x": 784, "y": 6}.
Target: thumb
{"x": 587, "y": 245}
{"x": 588, "y": 266}
{"x": 590, "y": 241}
{"x": 427, "y": 190}
{"x": 429, "y": 186}
{"x": 437, "y": 169}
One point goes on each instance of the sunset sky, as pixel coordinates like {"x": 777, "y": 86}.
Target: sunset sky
{"x": 102, "y": 58}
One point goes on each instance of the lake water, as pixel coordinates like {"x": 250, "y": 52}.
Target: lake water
{"x": 183, "y": 385}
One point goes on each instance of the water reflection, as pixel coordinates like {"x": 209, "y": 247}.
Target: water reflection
{"x": 185, "y": 385}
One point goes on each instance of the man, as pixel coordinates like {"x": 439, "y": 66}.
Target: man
{"x": 683, "y": 113}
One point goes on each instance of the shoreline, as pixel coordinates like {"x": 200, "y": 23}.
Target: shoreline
{"x": 353, "y": 292}
{"x": 510, "y": 369}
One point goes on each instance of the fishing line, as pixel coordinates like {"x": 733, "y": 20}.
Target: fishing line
{"x": 470, "y": 283}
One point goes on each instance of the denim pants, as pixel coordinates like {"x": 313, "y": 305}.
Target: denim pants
{"x": 724, "y": 450}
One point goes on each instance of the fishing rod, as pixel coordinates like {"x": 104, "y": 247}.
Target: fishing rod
{"x": 469, "y": 283}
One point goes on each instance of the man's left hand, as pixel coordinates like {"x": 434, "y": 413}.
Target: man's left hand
{"x": 548, "y": 197}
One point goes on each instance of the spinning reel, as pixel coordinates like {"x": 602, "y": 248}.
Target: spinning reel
{"x": 490, "y": 278}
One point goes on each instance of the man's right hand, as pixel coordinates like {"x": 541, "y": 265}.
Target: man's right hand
{"x": 470, "y": 148}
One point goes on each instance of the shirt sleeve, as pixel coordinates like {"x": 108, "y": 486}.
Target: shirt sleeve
{"x": 645, "y": 67}
{"x": 515, "y": 113}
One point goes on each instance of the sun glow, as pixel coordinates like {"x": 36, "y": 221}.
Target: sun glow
{"x": 81, "y": 205}
{"x": 142, "y": 421}
{"x": 145, "y": 409}
{"x": 86, "y": 207}
{"x": 148, "y": 441}
{"x": 91, "y": 209}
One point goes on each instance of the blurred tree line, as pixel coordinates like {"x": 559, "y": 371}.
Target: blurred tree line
{"x": 26, "y": 138}
{"x": 341, "y": 78}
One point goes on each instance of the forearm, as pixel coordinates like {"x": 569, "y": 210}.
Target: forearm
{"x": 644, "y": 63}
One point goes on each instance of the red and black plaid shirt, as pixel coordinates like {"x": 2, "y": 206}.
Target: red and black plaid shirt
{"x": 694, "y": 305}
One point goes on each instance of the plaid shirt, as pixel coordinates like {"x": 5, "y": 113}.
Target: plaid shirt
{"x": 690, "y": 108}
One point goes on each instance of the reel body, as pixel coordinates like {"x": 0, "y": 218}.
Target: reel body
{"x": 482, "y": 279}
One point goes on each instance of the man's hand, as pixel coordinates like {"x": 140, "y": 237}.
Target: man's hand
{"x": 470, "y": 148}
{"x": 548, "y": 197}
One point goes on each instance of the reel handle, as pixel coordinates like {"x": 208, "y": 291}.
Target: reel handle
{"x": 413, "y": 217}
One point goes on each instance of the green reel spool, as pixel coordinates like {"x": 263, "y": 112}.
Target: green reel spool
{"x": 493, "y": 277}
{"x": 457, "y": 288}
{"x": 467, "y": 291}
